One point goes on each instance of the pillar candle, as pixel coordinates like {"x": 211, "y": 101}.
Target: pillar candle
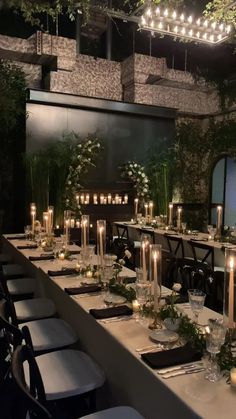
{"x": 84, "y": 230}
{"x": 170, "y": 214}
{"x": 82, "y": 198}
{"x": 151, "y": 209}
{"x": 101, "y": 198}
{"x": 109, "y": 198}
{"x": 136, "y": 207}
{"x": 231, "y": 293}
{"x": 179, "y": 217}
{"x": 146, "y": 210}
{"x": 219, "y": 217}
{"x": 126, "y": 199}
{"x": 95, "y": 199}
{"x": 87, "y": 198}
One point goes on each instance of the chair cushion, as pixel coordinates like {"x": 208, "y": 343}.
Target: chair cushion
{"x": 21, "y": 286}
{"x": 36, "y": 308}
{"x": 5, "y": 258}
{"x": 13, "y": 270}
{"x": 67, "y": 373}
{"x": 47, "y": 334}
{"x": 219, "y": 269}
{"x": 120, "y": 412}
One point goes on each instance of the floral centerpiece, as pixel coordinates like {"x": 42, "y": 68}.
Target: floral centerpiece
{"x": 137, "y": 175}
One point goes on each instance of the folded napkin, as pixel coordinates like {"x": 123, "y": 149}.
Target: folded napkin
{"x": 83, "y": 290}
{"x": 199, "y": 239}
{"x": 174, "y": 356}
{"x": 62, "y": 272}
{"x": 42, "y": 257}
{"x": 105, "y": 313}
{"x": 27, "y": 246}
{"x": 21, "y": 237}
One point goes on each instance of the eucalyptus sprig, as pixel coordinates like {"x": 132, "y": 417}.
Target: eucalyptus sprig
{"x": 123, "y": 290}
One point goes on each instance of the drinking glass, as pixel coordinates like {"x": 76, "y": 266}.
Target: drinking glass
{"x": 196, "y": 301}
{"x": 215, "y": 337}
{"x": 184, "y": 227}
{"x": 143, "y": 292}
{"x": 107, "y": 271}
{"x": 211, "y": 231}
{"x": 27, "y": 231}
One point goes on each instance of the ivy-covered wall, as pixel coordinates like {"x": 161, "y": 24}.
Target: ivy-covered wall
{"x": 197, "y": 149}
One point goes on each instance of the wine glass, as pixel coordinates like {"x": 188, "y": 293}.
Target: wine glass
{"x": 212, "y": 231}
{"x": 215, "y": 337}
{"x": 196, "y": 301}
{"x": 143, "y": 291}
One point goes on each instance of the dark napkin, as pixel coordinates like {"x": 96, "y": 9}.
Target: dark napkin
{"x": 16, "y": 237}
{"x": 83, "y": 290}
{"x": 63, "y": 272}
{"x": 74, "y": 252}
{"x": 27, "y": 246}
{"x": 105, "y": 313}
{"x": 171, "y": 357}
{"x": 42, "y": 257}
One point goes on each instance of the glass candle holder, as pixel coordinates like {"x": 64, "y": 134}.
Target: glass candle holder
{"x": 67, "y": 225}
{"x": 33, "y": 216}
{"x": 229, "y": 289}
{"x": 144, "y": 256}
{"x": 50, "y": 219}
{"x": 101, "y": 240}
{"x": 84, "y": 230}
{"x": 155, "y": 274}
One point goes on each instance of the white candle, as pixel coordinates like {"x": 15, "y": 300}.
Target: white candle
{"x": 61, "y": 256}
{"x": 101, "y": 199}
{"x": 146, "y": 210}
{"x": 120, "y": 200}
{"x": 67, "y": 232}
{"x": 101, "y": 243}
{"x": 50, "y": 219}
{"x": 95, "y": 199}
{"x": 179, "y": 216}
{"x": 77, "y": 198}
{"x": 72, "y": 223}
{"x": 105, "y": 200}
{"x": 109, "y": 198}
{"x": 136, "y": 207}
{"x": 77, "y": 224}
{"x": 170, "y": 214}
{"x": 126, "y": 199}
{"x": 46, "y": 222}
{"x": 82, "y": 198}
{"x": 144, "y": 261}
{"x": 233, "y": 377}
{"x": 219, "y": 217}
{"x": 89, "y": 274}
{"x": 33, "y": 215}
{"x": 231, "y": 293}
{"x": 151, "y": 209}
{"x": 87, "y": 198}
{"x": 116, "y": 199}
{"x": 135, "y": 306}
{"x": 155, "y": 256}
{"x": 84, "y": 233}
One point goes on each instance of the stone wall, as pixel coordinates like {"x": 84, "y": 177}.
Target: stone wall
{"x": 138, "y": 79}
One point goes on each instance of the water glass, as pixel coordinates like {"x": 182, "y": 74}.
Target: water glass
{"x": 142, "y": 287}
{"x": 27, "y": 231}
{"x": 196, "y": 301}
{"x": 215, "y": 337}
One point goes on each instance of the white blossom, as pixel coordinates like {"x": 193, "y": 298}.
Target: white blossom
{"x": 176, "y": 287}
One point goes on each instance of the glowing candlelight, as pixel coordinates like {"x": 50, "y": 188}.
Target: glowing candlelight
{"x": 101, "y": 198}
{"x": 170, "y": 214}
{"x": 116, "y": 199}
{"x": 126, "y": 199}
{"x": 50, "y": 219}
{"x": 179, "y": 217}
{"x": 87, "y": 198}
{"x": 219, "y": 211}
{"x": 233, "y": 377}
{"x": 231, "y": 293}
{"x": 89, "y": 274}
{"x": 101, "y": 236}
{"x": 33, "y": 215}
{"x": 146, "y": 210}
{"x": 84, "y": 230}
{"x": 61, "y": 256}
{"x": 136, "y": 207}
{"x": 151, "y": 209}
{"x": 45, "y": 221}
{"x": 95, "y": 199}
{"x": 109, "y": 198}
{"x": 135, "y": 306}
{"x": 155, "y": 256}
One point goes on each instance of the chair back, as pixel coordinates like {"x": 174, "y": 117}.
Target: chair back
{"x": 31, "y": 398}
{"x": 8, "y": 324}
{"x": 175, "y": 245}
{"x": 205, "y": 254}
{"x": 122, "y": 231}
{"x": 148, "y": 232}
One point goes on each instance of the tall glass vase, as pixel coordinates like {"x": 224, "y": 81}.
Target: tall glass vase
{"x": 84, "y": 231}
{"x": 101, "y": 241}
{"x": 144, "y": 256}
{"x": 67, "y": 225}
{"x": 229, "y": 309}
{"x": 155, "y": 279}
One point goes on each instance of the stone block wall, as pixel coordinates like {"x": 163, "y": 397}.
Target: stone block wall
{"x": 33, "y": 73}
{"x": 138, "y": 79}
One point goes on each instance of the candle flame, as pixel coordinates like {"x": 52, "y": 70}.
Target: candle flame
{"x": 155, "y": 256}
{"x": 170, "y": 205}
{"x": 100, "y": 230}
{"x": 231, "y": 263}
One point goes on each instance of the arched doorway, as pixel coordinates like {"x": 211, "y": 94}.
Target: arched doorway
{"x": 224, "y": 190}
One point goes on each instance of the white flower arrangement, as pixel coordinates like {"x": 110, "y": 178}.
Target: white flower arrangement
{"x": 137, "y": 175}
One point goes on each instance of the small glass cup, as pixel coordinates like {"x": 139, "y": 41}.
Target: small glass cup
{"x": 27, "y": 231}
{"x": 215, "y": 337}
{"x": 184, "y": 227}
{"x": 196, "y": 301}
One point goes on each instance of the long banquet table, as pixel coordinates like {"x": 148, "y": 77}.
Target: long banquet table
{"x": 134, "y": 231}
{"x": 113, "y": 345}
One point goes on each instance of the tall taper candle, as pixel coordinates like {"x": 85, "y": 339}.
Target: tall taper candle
{"x": 179, "y": 218}
{"x": 219, "y": 212}
{"x": 151, "y": 209}
{"x": 231, "y": 293}
{"x": 170, "y": 214}
{"x": 135, "y": 208}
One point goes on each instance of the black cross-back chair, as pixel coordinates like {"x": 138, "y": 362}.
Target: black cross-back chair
{"x": 205, "y": 275}
{"x": 148, "y": 232}
{"x": 178, "y": 265}
{"x": 122, "y": 231}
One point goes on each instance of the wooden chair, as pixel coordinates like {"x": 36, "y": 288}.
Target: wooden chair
{"x": 32, "y": 398}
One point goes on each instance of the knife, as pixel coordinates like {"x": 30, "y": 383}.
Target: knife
{"x": 183, "y": 372}
{"x": 180, "y": 367}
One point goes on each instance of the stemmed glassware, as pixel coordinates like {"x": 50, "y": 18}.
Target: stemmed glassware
{"x": 196, "y": 301}
{"x": 143, "y": 291}
{"x": 212, "y": 231}
{"x": 215, "y": 337}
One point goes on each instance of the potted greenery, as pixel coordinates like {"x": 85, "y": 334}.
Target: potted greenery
{"x": 169, "y": 313}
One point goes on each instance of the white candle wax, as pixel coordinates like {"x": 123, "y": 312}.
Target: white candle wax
{"x": 126, "y": 199}
{"x": 101, "y": 243}
{"x": 231, "y": 293}
{"x": 179, "y": 214}
{"x": 84, "y": 233}
{"x": 155, "y": 278}
{"x": 87, "y": 198}
{"x": 33, "y": 220}
{"x": 135, "y": 306}
{"x": 67, "y": 232}
{"x": 151, "y": 209}
{"x": 61, "y": 256}
{"x": 219, "y": 217}
{"x": 101, "y": 199}
{"x": 233, "y": 377}
{"x": 170, "y": 214}
{"x": 136, "y": 207}
{"x": 144, "y": 261}
{"x": 109, "y": 198}
{"x": 82, "y": 199}
{"x": 95, "y": 199}
{"x": 146, "y": 210}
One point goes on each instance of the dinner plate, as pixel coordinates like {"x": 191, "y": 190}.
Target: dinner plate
{"x": 163, "y": 336}
{"x": 114, "y": 299}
